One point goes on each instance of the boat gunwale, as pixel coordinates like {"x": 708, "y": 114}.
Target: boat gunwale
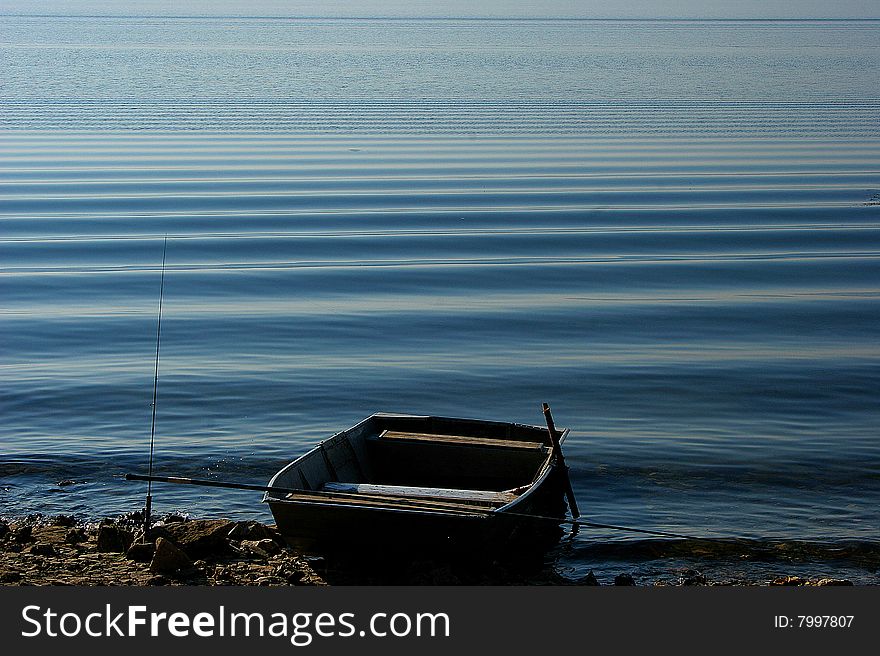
{"x": 457, "y": 514}
{"x": 548, "y": 466}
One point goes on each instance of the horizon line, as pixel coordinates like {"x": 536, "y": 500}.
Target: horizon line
{"x": 458, "y": 18}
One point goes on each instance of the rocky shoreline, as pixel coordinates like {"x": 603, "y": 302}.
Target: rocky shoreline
{"x": 207, "y": 552}
{"x": 195, "y": 552}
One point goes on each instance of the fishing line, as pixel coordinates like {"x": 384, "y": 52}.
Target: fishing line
{"x": 580, "y": 522}
{"x": 149, "y": 503}
{"x": 665, "y": 534}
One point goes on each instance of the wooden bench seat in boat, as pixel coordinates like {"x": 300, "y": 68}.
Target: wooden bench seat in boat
{"x": 457, "y": 506}
{"x": 458, "y": 440}
{"x": 415, "y": 492}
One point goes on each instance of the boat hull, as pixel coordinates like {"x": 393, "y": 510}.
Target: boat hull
{"x": 331, "y": 524}
{"x": 327, "y": 528}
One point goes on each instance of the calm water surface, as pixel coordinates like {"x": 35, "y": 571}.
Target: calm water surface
{"x": 668, "y": 230}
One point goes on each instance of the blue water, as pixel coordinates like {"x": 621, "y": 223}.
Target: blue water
{"x": 668, "y": 230}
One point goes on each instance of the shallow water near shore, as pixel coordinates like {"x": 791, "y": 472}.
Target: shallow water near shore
{"x": 684, "y": 260}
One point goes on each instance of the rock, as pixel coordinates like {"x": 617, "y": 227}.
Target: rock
{"x": 64, "y": 520}
{"x": 10, "y": 577}
{"x": 624, "y": 579}
{"x": 75, "y": 536}
{"x": 252, "y": 548}
{"x": 295, "y": 576}
{"x": 589, "y": 579}
{"x": 133, "y": 519}
{"x": 113, "y": 539}
{"x": 141, "y": 552}
{"x": 43, "y": 550}
{"x": 265, "y": 548}
{"x": 788, "y": 580}
{"x": 22, "y": 534}
{"x": 198, "y": 538}
{"x": 693, "y": 578}
{"x": 66, "y": 482}
{"x": 238, "y": 531}
{"x": 4, "y": 529}
{"x": 824, "y": 582}
{"x": 253, "y": 531}
{"x": 157, "y": 580}
{"x": 168, "y": 559}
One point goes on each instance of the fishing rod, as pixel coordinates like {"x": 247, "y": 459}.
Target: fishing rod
{"x": 328, "y": 496}
{"x": 180, "y": 480}
{"x": 149, "y": 503}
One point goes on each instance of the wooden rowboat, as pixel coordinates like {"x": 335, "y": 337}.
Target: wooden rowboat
{"x": 427, "y": 482}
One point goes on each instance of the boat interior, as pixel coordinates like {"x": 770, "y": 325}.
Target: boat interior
{"x": 420, "y": 463}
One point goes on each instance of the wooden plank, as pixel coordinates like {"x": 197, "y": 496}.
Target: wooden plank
{"x": 437, "y": 493}
{"x": 462, "y": 440}
{"x": 375, "y": 501}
